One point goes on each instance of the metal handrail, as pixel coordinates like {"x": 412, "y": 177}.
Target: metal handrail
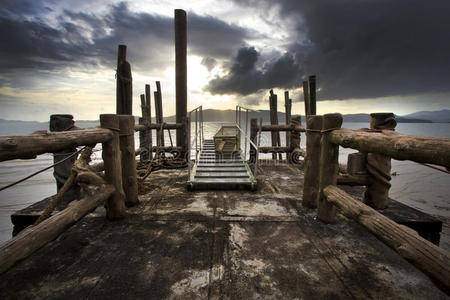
{"x": 246, "y": 137}
{"x": 199, "y": 139}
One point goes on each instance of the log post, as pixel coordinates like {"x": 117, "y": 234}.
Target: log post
{"x": 143, "y": 135}
{"x": 129, "y": 176}
{"x": 159, "y": 113}
{"x": 124, "y": 92}
{"x": 312, "y": 161}
{"x": 273, "y": 100}
{"x": 62, "y": 171}
{"x": 306, "y": 98}
{"x": 148, "y": 117}
{"x": 356, "y": 163}
{"x": 253, "y": 134}
{"x": 312, "y": 94}
{"x": 115, "y": 206}
{"x": 295, "y": 152}
{"x": 288, "y": 107}
{"x": 181, "y": 76}
{"x": 379, "y": 165}
{"x": 329, "y": 167}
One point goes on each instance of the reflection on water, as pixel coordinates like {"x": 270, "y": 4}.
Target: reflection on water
{"x": 415, "y": 185}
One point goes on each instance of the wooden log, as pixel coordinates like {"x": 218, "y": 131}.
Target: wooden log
{"x": 148, "y": 118}
{"x": 253, "y": 137}
{"x": 129, "y": 176}
{"x": 157, "y": 126}
{"x": 34, "y": 237}
{"x": 273, "y": 101}
{"x": 167, "y": 149}
{"x": 328, "y": 167}
{"x": 124, "y": 92}
{"x": 287, "y": 106}
{"x": 62, "y": 170}
{"x": 356, "y": 163}
{"x": 312, "y": 94}
{"x": 306, "y": 98}
{"x": 426, "y": 256}
{"x": 312, "y": 161}
{"x": 159, "y": 114}
{"x": 395, "y": 145}
{"x": 290, "y": 127}
{"x": 295, "y": 151}
{"x": 28, "y": 146}
{"x": 181, "y": 76}
{"x": 353, "y": 180}
{"x": 115, "y": 206}
{"x": 143, "y": 135}
{"x": 379, "y": 165}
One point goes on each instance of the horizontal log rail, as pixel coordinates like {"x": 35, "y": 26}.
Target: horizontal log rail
{"x": 34, "y": 237}
{"x": 289, "y": 127}
{"x": 398, "y": 146}
{"x": 353, "y": 180}
{"x": 282, "y": 149}
{"x": 29, "y": 146}
{"x": 142, "y": 127}
{"x": 431, "y": 259}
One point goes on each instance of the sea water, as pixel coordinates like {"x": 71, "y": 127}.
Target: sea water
{"x": 415, "y": 185}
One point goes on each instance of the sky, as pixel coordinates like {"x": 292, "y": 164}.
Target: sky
{"x": 59, "y": 56}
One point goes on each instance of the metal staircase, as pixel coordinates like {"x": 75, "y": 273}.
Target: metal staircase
{"x": 226, "y": 169}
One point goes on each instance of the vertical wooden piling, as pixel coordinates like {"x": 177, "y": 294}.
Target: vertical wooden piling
{"x": 288, "y": 107}
{"x": 379, "y": 166}
{"x": 312, "y": 94}
{"x": 306, "y": 99}
{"x": 159, "y": 113}
{"x": 148, "y": 116}
{"x": 124, "y": 92}
{"x": 181, "y": 76}
{"x": 115, "y": 206}
{"x": 312, "y": 161}
{"x": 253, "y": 134}
{"x": 329, "y": 166}
{"x": 129, "y": 177}
{"x": 143, "y": 134}
{"x": 273, "y": 101}
{"x": 62, "y": 171}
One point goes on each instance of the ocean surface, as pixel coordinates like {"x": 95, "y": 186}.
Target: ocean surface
{"x": 415, "y": 185}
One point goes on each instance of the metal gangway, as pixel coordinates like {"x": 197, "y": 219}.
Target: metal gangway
{"x": 217, "y": 165}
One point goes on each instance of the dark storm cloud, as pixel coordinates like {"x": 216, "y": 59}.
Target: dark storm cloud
{"x": 85, "y": 40}
{"x": 246, "y": 76}
{"x": 364, "y": 49}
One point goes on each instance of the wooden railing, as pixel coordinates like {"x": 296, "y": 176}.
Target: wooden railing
{"x": 324, "y": 136}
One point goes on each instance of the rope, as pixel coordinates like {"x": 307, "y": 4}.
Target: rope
{"x": 433, "y": 167}
{"x": 40, "y": 171}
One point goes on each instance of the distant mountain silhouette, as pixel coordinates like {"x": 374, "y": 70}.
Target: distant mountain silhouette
{"x": 437, "y": 116}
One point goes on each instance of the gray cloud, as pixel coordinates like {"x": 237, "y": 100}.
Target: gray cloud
{"x": 246, "y": 76}
{"x": 84, "y": 40}
{"x": 362, "y": 49}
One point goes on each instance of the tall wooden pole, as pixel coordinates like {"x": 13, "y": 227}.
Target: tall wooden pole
{"x": 129, "y": 177}
{"x": 273, "y": 101}
{"x": 253, "y": 134}
{"x": 312, "y": 94}
{"x": 124, "y": 92}
{"x": 181, "y": 75}
{"x": 159, "y": 112}
{"x": 306, "y": 98}
{"x": 379, "y": 165}
{"x": 329, "y": 167}
{"x": 149, "y": 119}
{"x": 115, "y": 206}
{"x": 143, "y": 136}
{"x": 288, "y": 107}
{"x": 312, "y": 161}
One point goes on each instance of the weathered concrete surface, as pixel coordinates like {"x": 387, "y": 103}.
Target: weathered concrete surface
{"x": 210, "y": 245}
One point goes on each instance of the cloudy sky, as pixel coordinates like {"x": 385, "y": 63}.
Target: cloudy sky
{"x": 59, "y": 56}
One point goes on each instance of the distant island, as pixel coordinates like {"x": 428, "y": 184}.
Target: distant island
{"x": 8, "y": 127}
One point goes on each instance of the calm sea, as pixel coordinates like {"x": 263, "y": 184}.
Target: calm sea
{"x": 415, "y": 185}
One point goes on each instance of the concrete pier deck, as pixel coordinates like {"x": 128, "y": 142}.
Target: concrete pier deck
{"x": 217, "y": 245}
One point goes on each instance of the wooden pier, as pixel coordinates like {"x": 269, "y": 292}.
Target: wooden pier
{"x": 299, "y": 233}
{"x": 217, "y": 244}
